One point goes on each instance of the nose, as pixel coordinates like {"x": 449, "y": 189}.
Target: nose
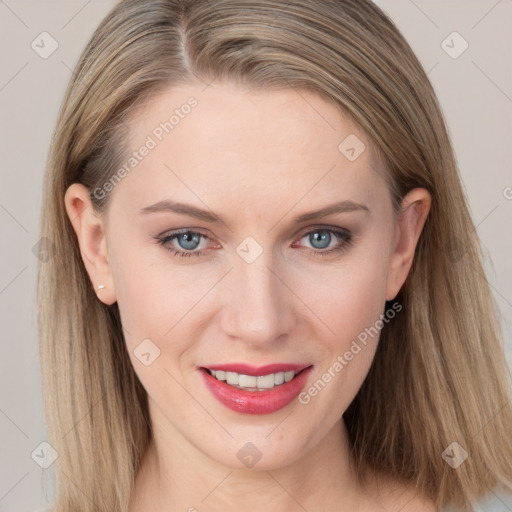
{"x": 259, "y": 307}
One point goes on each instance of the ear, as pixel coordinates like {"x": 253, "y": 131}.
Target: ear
{"x": 410, "y": 222}
{"x": 90, "y": 231}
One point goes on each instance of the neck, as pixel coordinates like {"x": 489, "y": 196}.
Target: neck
{"x": 175, "y": 475}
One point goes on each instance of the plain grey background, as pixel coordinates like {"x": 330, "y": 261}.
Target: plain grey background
{"x": 474, "y": 86}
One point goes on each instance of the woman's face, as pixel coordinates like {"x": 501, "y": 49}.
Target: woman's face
{"x": 248, "y": 283}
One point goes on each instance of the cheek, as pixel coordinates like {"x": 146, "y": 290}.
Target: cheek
{"x": 351, "y": 305}
{"x": 150, "y": 303}
{"x": 350, "y": 300}
{"x": 158, "y": 299}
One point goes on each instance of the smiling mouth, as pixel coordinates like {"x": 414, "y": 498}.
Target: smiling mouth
{"x": 254, "y": 382}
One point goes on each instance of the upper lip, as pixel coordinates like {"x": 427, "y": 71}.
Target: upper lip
{"x": 255, "y": 371}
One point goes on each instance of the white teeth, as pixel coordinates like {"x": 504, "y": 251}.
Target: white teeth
{"x": 231, "y": 378}
{"x": 251, "y": 382}
{"x": 246, "y": 381}
{"x": 266, "y": 381}
{"x": 288, "y": 376}
{"x": 220, "y": 375}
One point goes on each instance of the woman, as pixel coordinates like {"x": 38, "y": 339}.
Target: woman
{"x": 267, "y": 290}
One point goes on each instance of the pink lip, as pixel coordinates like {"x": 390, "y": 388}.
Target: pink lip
{"x": 256, "y": 402}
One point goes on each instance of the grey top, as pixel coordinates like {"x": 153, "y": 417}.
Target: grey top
{"x": 494, "y": 502}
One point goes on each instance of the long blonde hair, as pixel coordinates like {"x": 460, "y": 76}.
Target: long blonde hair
{"x": 439, "y": 375}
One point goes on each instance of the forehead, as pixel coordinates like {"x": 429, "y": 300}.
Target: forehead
{"x": 229, "y": 116}
{"x": 225, "y": 142}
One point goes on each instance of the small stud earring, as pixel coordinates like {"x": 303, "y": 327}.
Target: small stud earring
{"x": 101, "y": 286}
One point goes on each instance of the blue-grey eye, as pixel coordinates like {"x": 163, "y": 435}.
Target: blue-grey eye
{"x": 188, "y": 240}
{"x": 323, "y": 240}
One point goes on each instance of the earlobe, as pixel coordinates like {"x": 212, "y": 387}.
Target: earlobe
{"x": 91, "y": 237}
{"x": 411, "y": 220}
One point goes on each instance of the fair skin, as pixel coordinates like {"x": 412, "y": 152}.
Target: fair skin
{"x": 258, "y": 160}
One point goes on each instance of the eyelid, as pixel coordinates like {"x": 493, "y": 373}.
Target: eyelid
{"x": 301, "y": 233}
{"x": 345, "y": 240}
{"x": 177, "y": 231}
{"x": 318, "y": 227}
{"x": 165, "y": 239}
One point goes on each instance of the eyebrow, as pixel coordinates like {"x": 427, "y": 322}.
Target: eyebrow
{"x": 167, "y": 205}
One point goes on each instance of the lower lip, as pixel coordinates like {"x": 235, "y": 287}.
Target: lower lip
{"x": 255, "y": 402}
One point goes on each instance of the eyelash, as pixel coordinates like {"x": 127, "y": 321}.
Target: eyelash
{"x": 345, "y": 236}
